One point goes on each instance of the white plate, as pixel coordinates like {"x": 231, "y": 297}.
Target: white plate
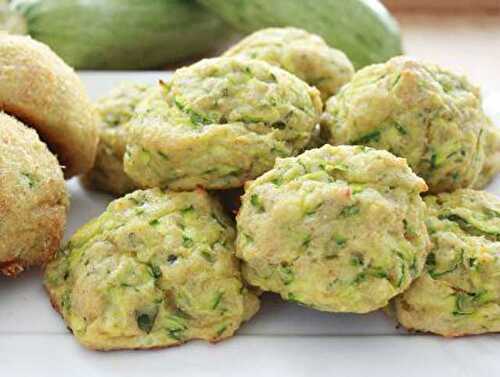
{"x": 282, "y": 340}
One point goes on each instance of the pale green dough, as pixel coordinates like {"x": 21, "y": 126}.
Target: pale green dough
{"x": 303, "y": 54}
{"x": 219, "y": 123}
{"x": 156, "y": 269}
{"x": 418, "y": 111}
{"x": 459, "y": 291}
{"x": 115, "y": 110}
{"x": 339, "y": 229}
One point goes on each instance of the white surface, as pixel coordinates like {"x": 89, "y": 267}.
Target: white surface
{"x": 282, "y": 340}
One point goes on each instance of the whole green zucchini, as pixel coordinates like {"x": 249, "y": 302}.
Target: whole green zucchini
{"x": 363, "y": 29}
{"x": 121, "y": 34}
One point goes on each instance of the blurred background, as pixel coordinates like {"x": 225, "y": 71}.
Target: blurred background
{"x": 463, "y": 35}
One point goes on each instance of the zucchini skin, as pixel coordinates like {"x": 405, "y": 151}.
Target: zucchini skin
{"x": 122, "y": 34}
{"x": 363, "y": 29}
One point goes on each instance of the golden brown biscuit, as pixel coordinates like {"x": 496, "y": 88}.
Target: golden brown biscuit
{"x": 39, "y": 89}
{"x": 33, "y": 198}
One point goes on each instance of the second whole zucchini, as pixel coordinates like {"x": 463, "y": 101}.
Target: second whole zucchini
{"x": 363, "y": 29}
{"x": 121, "y": 34}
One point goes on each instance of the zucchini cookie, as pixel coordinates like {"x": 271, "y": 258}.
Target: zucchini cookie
{"x": 303, "y": 54}
{"x": 115, "y": 111}
{"x": 219, "y": 123}
{"x": 40, "y": 90}
{"x": 338, "y": 229}
{"x": 156, "y": 269}
{"x": 459, "y": 291}
{"x": 33, "y": 198}
{"x": 417, "y": 111}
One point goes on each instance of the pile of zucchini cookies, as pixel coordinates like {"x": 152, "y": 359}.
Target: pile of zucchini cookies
{"x": 360, "y": 194}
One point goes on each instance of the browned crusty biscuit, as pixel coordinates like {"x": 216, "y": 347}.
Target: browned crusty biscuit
{"x": 39, "y": 89}
{"x": 33, "y": 198}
